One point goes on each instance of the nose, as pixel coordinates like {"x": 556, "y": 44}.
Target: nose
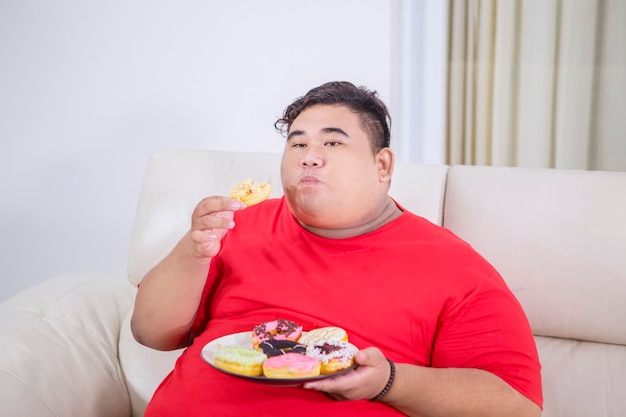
{"x": 312, "y": 158}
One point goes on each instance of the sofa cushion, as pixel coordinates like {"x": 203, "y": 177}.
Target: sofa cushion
{"x": 582, "y": 379}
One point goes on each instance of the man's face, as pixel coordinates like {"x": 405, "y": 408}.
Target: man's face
{"x": 331, "y": 177}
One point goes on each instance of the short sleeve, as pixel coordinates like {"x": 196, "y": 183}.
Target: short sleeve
{"x": 488, "y": 329}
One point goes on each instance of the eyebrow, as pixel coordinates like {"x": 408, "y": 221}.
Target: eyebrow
{"x": 325, "y": 130}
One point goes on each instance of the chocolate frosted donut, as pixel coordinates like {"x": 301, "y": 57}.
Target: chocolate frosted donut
{"x": 280, "y": 347}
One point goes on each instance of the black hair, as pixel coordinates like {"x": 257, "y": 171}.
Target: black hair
{"x": 372, "y": 111}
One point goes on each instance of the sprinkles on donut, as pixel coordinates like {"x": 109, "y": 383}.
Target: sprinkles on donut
{"x": 280, "y": 329}
{"x": 335, "y": 355}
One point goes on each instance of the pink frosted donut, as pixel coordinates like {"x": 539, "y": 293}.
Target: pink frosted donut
{"x": 291, "y": 366}
{"x": 280, "y": 329}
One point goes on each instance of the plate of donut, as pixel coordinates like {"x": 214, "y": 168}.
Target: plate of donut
{"x": 243, "y": 343}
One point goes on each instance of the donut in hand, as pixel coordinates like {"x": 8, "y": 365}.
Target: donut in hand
{"x": 250, "y": 192}
{"x": 334, "y": 355}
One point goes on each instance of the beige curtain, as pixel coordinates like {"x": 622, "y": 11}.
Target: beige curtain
{"x": 537, "y": 83}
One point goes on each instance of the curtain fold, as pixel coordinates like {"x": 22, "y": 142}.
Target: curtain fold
{"x": 505, "y": 79}
{"x": 537, "y": 83}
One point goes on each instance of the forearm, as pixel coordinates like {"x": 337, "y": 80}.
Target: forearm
{"x": 167, "y": 300}
{"x": 432, "y": 392}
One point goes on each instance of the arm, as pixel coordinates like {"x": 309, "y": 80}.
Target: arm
{"x": 168, "y": 296}
{"x": 429, "y": 392}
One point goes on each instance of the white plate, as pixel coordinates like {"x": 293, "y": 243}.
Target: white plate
{"x": 244, "y": 339}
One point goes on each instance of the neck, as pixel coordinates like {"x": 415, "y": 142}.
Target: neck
{"x": 389, "y": 212}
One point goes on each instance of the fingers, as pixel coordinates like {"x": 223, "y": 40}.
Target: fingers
{"x": 216, "y": 220}
{"x": 210, "y": 221}
{"x": 215, "y": 212}
{"x": 219, "y": 208}
{"x": 344, "y": 387}
{"x": 370, "y": 357}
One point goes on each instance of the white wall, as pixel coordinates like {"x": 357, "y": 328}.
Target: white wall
{"x": 88, "y": 90}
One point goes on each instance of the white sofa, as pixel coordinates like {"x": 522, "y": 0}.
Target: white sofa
{"x": 558, "y": 238}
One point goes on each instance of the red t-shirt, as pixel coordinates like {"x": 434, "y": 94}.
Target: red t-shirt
{"x": 410, "y": 288}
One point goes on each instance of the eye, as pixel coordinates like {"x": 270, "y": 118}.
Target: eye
{"x": 298, "y": 145}
{"x": 332, "y": 143}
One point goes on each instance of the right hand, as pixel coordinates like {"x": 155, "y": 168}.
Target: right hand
{"x": 211, "y": 220}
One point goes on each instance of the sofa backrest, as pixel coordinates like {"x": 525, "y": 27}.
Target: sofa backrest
{"x": 558, "y": 238}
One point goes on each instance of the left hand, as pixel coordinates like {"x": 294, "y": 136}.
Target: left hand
{"x": 363, "y": 383}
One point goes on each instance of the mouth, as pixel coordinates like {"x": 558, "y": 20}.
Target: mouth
{"x": 309, "y": 180}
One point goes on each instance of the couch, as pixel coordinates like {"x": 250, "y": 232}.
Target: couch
{"x": 558, "y": 237}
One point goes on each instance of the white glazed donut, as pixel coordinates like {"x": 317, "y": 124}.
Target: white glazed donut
{"x": 334, "y": 355}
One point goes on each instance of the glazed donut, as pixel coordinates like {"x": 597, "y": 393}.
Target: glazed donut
{"x": 323, "y": 333}
{"x": 280, "y": 347}
{"x": 291, "y": 366}
{"x": 240, "y": 360}
{"x": 280, "y": 329}
{"x": 250, "y": 192}
{"x": 334, "y": 355}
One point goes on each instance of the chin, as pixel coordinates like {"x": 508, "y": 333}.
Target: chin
{"x": 315, "y": 216}
{"x": 315, "y": 211}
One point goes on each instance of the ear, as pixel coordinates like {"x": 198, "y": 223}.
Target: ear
{"x": 385, "y": 160}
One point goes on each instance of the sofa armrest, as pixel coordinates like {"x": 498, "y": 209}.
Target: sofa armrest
{"x": 59, "y": 348}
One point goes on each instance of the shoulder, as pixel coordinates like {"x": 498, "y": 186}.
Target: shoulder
{"x": 441, "y": 246}
{"x": 414, "y": 227}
